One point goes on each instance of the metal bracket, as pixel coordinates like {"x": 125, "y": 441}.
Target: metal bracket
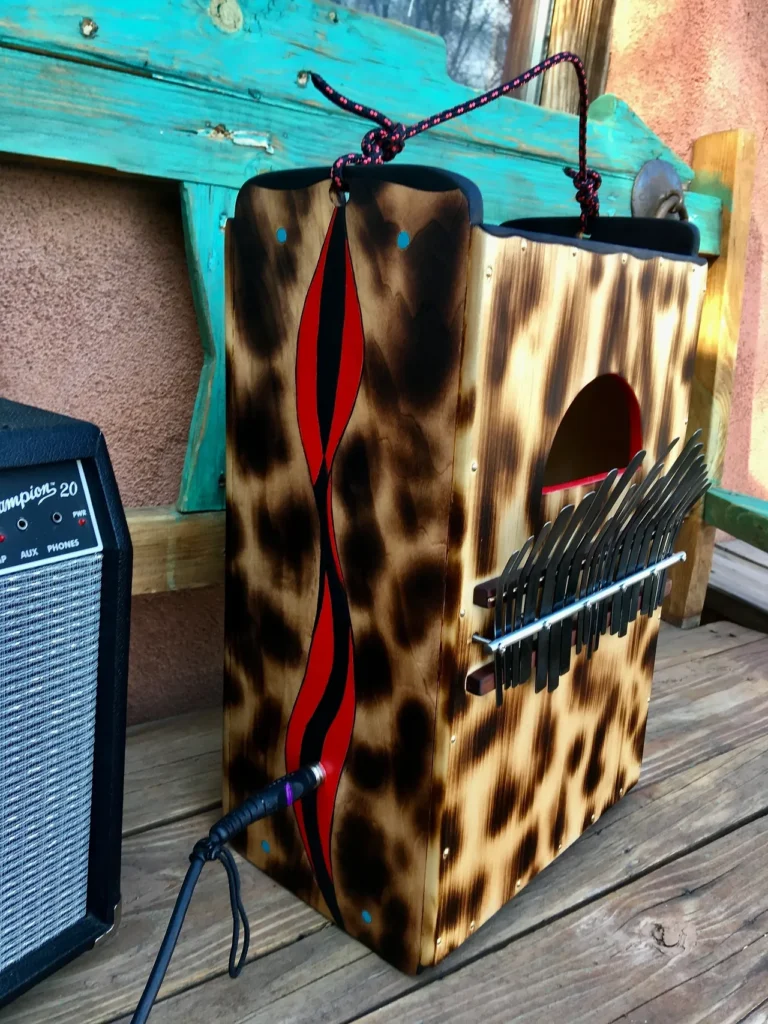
{"x": 658, "y": 192}
{"x": 109, "y": 934}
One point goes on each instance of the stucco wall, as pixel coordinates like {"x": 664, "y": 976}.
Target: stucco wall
{"x": 689, "y": 68}
{"x": 96, "y": 321}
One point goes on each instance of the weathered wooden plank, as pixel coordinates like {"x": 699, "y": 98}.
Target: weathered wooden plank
{"x": 654, "y": 823}
{"x": 740, "y": 515}
{"x": 392, "y": 66}
{"x": 725, "y": 166}
{"x": 65, "y": 111}
{"x": 740, "y": 577}
{"x": 731, "y": 992}
{"x": 747, "y": 552}
{"x": 676, "y": 646}
{"x": 204, "y": 210}
{"x": 700, "y": 709}
{"x": 528, "y": 30}
{"x": 172, "y": 551}
{"x": 172, "y": 770}
{"x": 664, "y": 930}
{"x": 651, "y": 827}
{"x": 583, "y": 27}
{"x": 107, "y": 982}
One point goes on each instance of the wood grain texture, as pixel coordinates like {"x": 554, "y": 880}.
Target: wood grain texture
{"x": 664, "y": 930}
{"x": 725, "y": 166}
{"x": 307, "y": 976}
{"x": 406, "y": 76}
{"x": 682, "y": 808}
{"x": 528, "y": 30}
{"x": 738, "y": 584}
{"x": 583, "y": 27}
{"x": 223, "y": 139}
{"x": 391, "y": 485}
{"x": 172, "y": 770}
{"x": 522, "y": 782}
{"x": 676, "y": 646}
{"x": 172, "y": 551}
{"x": 740, "y": 515}
{"x": 204, "y": 211}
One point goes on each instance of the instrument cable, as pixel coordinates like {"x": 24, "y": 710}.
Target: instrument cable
{"x": 275, "y": 797}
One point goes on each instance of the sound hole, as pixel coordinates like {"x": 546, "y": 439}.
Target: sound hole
{"x": 601, "y": 431}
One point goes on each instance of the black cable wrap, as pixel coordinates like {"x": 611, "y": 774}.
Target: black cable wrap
{"x": 275, "y": 797}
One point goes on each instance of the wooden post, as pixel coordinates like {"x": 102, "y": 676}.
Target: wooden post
{"x": 583, "y": 27}
{"x": 724, "y": 165}
{"x": 527, "y": 42}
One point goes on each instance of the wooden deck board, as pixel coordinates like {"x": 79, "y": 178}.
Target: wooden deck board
{"x": 651, "y": 827}
{"x": 705, "y": 777}
{"x": 172, "y": 770}
{"x": 609, "y": 959}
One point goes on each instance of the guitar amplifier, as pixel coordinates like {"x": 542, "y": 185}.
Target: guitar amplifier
{"x": 65, "y": 586}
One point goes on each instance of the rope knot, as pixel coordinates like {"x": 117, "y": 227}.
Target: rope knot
{"x": 586, "y": 183}
{"x": 381, "y": 144}
{"x": 378, "y": 146}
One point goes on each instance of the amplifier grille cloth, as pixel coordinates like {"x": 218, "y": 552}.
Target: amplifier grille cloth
{"x": 49, "y": 645}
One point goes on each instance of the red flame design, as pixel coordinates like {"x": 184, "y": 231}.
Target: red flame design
{"x": 329, "y": 366}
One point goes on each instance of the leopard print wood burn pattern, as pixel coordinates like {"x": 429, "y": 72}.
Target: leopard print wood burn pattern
{"x": 474, "y": 348}
{"x": 390, "y": 497}
{"x": 522, "y": 782}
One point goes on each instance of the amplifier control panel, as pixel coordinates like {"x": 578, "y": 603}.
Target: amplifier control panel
{"x": 46, "y": 516}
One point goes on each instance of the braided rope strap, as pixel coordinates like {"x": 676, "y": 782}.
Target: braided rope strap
{"x": 382, "y": 144}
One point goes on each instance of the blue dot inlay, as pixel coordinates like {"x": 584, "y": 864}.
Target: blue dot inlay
{"x": 366, "y": 917}
{"x": 403, "y": 240}
{"x": 265, "y": 845}
{"x": 282, "y": 234}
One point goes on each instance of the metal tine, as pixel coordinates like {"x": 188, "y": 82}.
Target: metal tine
{"x": 605, "y": 501}
{"x": 657, "y": 547}
{"x": 651, "y": 544}
{"x": 658, "y": 597}
{"x": 559, "y": 553}
{"x": 498, "y": 625}
{"x": 672, "y": 529}
{"x": 532, "y": 586}
{"x": 665, "y": 492}
{"x": 595, "y": 555}
{"x": 603, "y": 552}
{"x": 499, "y": 610}
{"x": 618, "y": 558}
{"x": 617, "y": 499}
{"x": 656, "y": 541}
{"x": 557, "y": 582}
{"x": 521, "y": 597}
{"x": 503, "y": 614}
{"x": 502, "y": 595}
{"x": 603, "y": 556}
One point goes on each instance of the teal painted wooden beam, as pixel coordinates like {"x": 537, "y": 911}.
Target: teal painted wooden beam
{"x": 256, "y": 50}
{"x": 89, "y": 115}
{"x": 739, "y": 515}
{"x": 205, "y": 209}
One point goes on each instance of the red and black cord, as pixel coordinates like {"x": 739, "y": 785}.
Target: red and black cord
{"x": 382, "y": 144}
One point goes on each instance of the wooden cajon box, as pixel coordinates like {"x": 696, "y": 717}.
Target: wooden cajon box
{"x": 397, "y": 374}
